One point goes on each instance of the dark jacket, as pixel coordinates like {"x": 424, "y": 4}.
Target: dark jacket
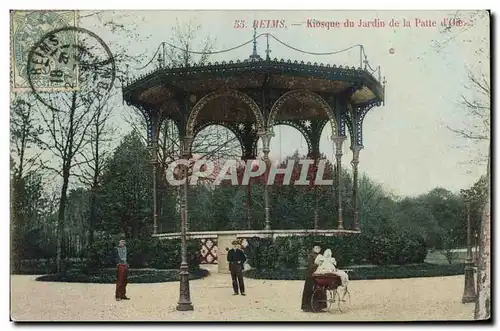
{"x": 121, "y": 259}
{"x": 236, "y": 258}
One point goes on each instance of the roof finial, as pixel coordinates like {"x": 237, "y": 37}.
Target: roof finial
{"x": 255, "y": 56}
{"x": 254, "y": 53}
{"x": 267, "y": 49}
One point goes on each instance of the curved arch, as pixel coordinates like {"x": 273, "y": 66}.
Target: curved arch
{"x": 311, "y": 95}
{"x": 299, "y": 128}
{"x": 259, "y": 118}
{"x": 210, "y": 123}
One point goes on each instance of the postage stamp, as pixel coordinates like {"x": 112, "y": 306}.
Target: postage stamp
{"x": 228, "y": 165}
{"x": 27, "y": 29}
{"x": 70, "y": 59}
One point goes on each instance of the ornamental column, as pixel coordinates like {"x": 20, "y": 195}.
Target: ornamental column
{"x": 315, "y": 157}
{"x": 246, "y": 158}
{"x": 339, "y": 141}
{"x": 266, "y": 140}
{"x": 355, "y": 200}
{"x": 154, "y": 164}
{"x": 184, "y": 303}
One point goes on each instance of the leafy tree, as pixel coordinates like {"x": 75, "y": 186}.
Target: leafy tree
{"x": 126, "y": 190}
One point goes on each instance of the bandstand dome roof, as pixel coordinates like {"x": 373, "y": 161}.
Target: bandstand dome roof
{"x": 159, "y": 89}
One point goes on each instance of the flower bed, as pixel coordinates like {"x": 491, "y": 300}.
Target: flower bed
{"x": 108, "y": 276}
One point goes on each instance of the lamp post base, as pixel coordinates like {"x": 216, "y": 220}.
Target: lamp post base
{"x": 184, "y": 303}
{"x": 469, "y": 289}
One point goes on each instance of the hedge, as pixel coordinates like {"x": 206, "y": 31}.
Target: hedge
{"x": 367, "y": 273}
{"x": 145, "y": 253}
{"x": 108, "y": 276}
{"x": 45, "y": 266}
{"x": 380, "y": 249}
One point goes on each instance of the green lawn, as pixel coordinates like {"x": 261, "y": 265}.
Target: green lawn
{"x": 437, "y": 257}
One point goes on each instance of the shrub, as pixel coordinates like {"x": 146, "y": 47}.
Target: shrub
{"x": 390, "y": 247}
{"x": 143, "y": 253}
{"x": 262, "y": 253}
{"x": 382, "y": 248}
{"x": 108, "y": 276}
{"x": 368, "y": 273}
{"x": 44, "y": 266}
{"x": 288, "y": 252}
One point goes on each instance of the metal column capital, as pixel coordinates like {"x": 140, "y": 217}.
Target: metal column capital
{"x": 186, "y": 146}
{"x": 266, "y": 139}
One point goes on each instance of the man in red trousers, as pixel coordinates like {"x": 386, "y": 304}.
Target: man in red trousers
{"x": 121, "y": 271}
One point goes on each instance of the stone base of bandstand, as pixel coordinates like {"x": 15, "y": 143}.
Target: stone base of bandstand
{"x": 224, "y": 244}
{"x": 224, "y": 240}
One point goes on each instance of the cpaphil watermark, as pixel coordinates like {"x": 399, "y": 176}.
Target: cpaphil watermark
{"x": 240, "y": 172}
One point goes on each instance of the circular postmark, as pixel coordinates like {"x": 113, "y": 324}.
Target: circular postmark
{"x": 73, "y": 63}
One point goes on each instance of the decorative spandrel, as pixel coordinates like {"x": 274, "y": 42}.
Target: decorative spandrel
{"x": 301, "y": 127}
{"x": 301, "y": 104}
{"x": 227, "y": 112}
{"x": 347, "y": 119}
{"x": 238, "y": 97}
{"x": 361, "y": 113}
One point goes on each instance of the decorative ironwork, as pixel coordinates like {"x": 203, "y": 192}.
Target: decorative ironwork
{"x": 339, "y": 141}
{"x": 329, "y": 72}
{"x": 360, "y": 112}
{"x": 259, "y": 118}
{"x": 233, "y": 127}
{"x": 342, "y": 125}
{"x": 278, "y": 104}
{"x": 302, "y": 128}
{"x": 355, "y": 200}
{"x": 208, "y": 251}
{"x": 149, "y": 124}
{"x": 347, "y": 119}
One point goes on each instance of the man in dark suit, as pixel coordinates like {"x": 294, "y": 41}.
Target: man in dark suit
{"x": 236, "y": 258}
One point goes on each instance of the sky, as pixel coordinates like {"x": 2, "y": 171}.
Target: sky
{"x": 408, "y": 148}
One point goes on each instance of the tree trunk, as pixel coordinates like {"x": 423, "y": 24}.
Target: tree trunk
{"x": 483, "y": 301}
{"x": 60, "y": 217}
{"x": 92, "y": 215}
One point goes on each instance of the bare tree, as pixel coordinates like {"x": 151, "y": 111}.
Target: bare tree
{"x": 476, "y": 130}
{"x": 212, "y": 142}
{"x": 100, "y": 134}
{"x": 66, "y": 140}
{"x": 24, "y": 136}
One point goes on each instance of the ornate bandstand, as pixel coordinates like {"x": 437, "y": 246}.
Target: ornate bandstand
{"x": 249, "y": 98}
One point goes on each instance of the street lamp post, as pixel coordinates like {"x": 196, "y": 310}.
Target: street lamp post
{"x": 184, "y": 303}
{"x": 476, "y": 245}
{"x": 469, "y": 289}
{"x": 266, "y": 139}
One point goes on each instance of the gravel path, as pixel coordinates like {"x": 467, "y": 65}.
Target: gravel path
{"x": 436, "y": 298}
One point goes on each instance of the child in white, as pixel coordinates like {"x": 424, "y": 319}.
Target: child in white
{"x": 328, "y": 265}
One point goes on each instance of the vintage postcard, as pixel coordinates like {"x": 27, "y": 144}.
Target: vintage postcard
{"x": 250, "y": 166}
